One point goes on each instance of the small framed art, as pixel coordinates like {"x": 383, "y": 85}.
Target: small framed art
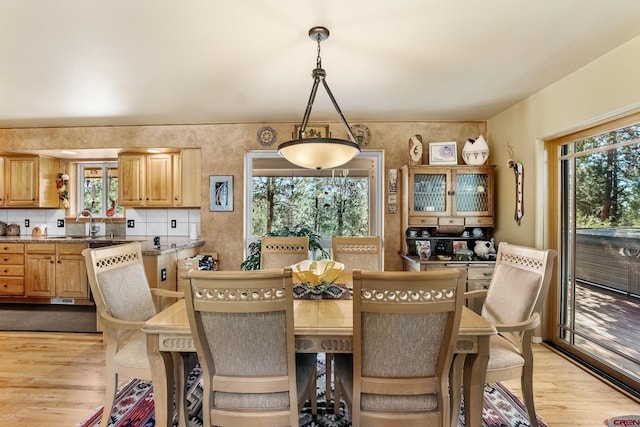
{"x": 459, "y": 245}
{"x": 318, "y": 131}
{"x": 443, "y": 153}
{"x": 221, "y": 193}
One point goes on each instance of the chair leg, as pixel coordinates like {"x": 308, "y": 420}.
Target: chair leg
{"x": 526, "y": 382}
{"x": 110, "y": 395}
{"x": 337, "y": 395}
{"x": 328, "y": 370}
{"x": 455, "y": 387}
{"x": 314, "y": 392}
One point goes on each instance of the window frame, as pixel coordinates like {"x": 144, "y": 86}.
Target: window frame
{"x": 376, "y": 200}
{"x": 79, "y": 198}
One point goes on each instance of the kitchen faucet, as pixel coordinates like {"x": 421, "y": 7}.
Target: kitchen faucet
{"x": 93, "y": 229}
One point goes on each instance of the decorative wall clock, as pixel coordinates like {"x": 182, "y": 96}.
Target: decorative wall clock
{"x": 266, "y": 135}
{"x": 362, "y": 134}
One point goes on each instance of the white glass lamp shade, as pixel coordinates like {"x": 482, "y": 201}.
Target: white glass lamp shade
{"x": 318, "y": 153}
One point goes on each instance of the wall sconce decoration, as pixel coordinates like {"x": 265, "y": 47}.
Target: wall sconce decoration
{"x": 518, "y": 171}
{"x": 62, "y": 182}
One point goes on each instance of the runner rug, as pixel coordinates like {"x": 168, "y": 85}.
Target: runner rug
{"x": 134, "y": 406}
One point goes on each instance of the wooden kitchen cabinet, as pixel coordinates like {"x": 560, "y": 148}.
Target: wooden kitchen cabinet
{"x": 162, "y": 270}
{"x": 159, "y": 180}
{"x": 131, "y": 179}
{"x": 2, "y": 192}
{"x": 12, "y": 270}
{"x": 187, "y": 178}
{"x": 71, "y": 272}
{"x": 30, "y": 181}
{"x": 56, "y": 271}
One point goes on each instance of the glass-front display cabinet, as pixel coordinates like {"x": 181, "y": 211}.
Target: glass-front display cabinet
{"x": 452, "y": 203}
{"x": 457, "y": 195}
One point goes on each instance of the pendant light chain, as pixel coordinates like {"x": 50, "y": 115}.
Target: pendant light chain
{"x": 318, "y": 59}
{"x": 319, "y": 152}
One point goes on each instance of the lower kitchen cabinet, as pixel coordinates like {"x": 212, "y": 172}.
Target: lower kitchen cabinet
{"x": 56, "y": 271}
{"x": 162, "y": 271}
{"x": 12, "y": 270}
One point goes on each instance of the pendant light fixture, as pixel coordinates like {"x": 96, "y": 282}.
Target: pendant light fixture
{"x": 319, "y": 153}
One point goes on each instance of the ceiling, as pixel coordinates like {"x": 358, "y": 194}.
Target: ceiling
{"x": 123, "y": 62}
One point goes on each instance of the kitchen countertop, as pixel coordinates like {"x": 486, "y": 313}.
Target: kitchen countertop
{"x": 168, "y": 244}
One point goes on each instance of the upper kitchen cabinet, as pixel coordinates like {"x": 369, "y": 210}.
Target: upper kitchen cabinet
{"x": 30, "y": 181}
{"x": 159, "y": 180}
{"x": 437, "y": 196}
{"x": 2, "y": 193}
{"x": 131, "y": 179}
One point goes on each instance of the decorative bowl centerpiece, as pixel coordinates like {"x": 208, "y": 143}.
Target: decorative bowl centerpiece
{"x": 317, "y": 276}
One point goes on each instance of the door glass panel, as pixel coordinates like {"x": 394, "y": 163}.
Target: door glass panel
{"x": 430, "y": 192}
{"x": 472, "y": 193}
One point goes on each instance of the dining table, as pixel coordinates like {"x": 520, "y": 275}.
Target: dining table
{"x": 321, "y": 325}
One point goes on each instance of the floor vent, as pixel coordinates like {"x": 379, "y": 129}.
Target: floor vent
{"x": 70, "y": 301}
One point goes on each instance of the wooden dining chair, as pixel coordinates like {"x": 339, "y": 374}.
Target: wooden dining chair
{"x": 124, "y": 302}
{"x": 405, "y": 326}
{"x": 279, "y": 251}
{"x": 242, "y": 323}
{"x": 513, "y": 301}
{"x": 357, "y": 252}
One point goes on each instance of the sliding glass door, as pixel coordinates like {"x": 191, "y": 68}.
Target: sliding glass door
{"x": 598, "y": 218}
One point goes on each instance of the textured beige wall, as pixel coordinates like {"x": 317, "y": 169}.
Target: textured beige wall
{"x": 223, "y": 148}
{"x": 606, "y": 88}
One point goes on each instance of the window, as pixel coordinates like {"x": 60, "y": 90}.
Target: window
{"x": 598, "y": 225}
{"x": 98, "y": 189}
{"x": 344, "y": 201}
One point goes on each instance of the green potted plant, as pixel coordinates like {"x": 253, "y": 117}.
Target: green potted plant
{"x": 252, "y": 262}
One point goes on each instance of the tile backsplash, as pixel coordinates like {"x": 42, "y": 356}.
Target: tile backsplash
{"x": 146, "y": 222}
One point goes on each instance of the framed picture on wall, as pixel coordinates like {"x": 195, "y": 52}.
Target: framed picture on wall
{"x": 443, "y": 153}
{"x": 317, "y": 131}
{"x": 221, "y": 193}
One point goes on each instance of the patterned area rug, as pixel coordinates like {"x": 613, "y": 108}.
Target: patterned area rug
{"x": 134, "y": 406}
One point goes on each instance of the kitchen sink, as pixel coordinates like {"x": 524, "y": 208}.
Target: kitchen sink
{"x": 66, "y": 237}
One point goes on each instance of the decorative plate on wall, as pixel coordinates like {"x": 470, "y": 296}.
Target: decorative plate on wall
{"x": 362, "y": 134}
{"x": 266, "y": 135}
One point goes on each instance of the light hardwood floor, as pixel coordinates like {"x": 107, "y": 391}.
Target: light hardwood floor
{"x": 57, "y": 379}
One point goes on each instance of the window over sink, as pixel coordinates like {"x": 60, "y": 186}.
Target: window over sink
{"x": 98, "y": 189}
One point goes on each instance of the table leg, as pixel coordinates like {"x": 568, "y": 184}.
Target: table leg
{"x": 162, "y": 377}
{"x": 475, "y": 370}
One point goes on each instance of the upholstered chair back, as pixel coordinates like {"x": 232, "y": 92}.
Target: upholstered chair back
{"x": 519, "y": 286}
{"x": 124, "y": 302}
{"x": 279, "y": 252}
{"x": 362, "y": 253}
{"x": 405, "y": 326}
{"x": 242, "y": 322}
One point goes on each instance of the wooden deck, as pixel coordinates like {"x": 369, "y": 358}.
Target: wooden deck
{"x": 608, "y": 326}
